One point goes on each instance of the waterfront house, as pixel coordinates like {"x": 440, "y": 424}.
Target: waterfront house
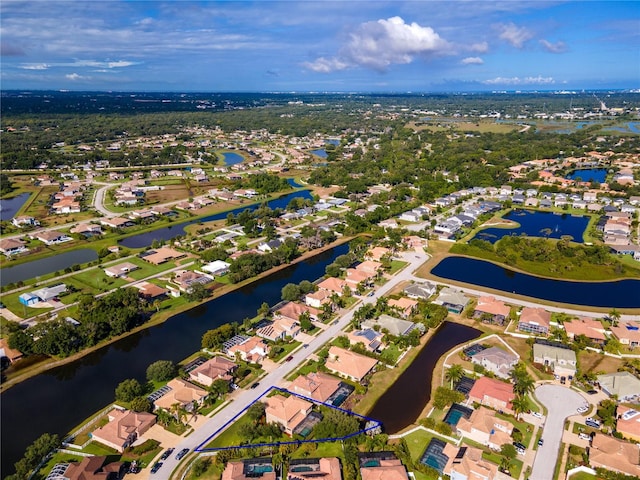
{"x": 115, "y": 222}
{"x": 395, "y": 326}
{"x": 93, "y": 468}
{"x": 314, "y": 469}
{"x": 23, "y": 220}
{"x": 51, "y": 237}
{"x": 150, "y": 291}
{"x": 467, "y": 463}
{"x": 381, "y": 465}
{"x": 556, "y": 356}
{"x": 368, "y": 337}
{"x": 289, "y": 411}
{"x": 186, "y": 279}
{"x": 356, "y": 277}
{"x": 376, "y": 253}
{"x": 162, "y": 255}
{"x": 627, "y": 333}
{"x": 333, "y": 285}
{"x": 251, "y": 469}
{"x": 12, "y": 354}
{"x": 217, "y": 267}
{"x": 318, "y": 299}
{"x": 484, "y": 427}
{"x": 492, "y": 393}
{"x": 213, "y": 369}
{"x": 420, "y": 291}
{"x": 123, "y": 429}
{"x": 316, "y": 385}
{"x": 588, "y": 327}
{"x": 496, "y": 360}
{"x": 293, "y": 310}
{"x": 535, "y": 320}
{"x": 12, "y": 246}
{"x": 183, "y": 393}
{"x": 453, "y": 300}
{"x": 490, "y": 310}
{"x": 349, "y": 364}
{"x": 253, "y": 350}
{"x": 614, "y": 455}
{"x": 279, "y": 329}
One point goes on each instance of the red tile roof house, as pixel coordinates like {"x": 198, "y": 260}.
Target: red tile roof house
{"x": 627, "y": 333}
{"x": 93, "y": 468}
{"x": 404, "y": 306}
{"x": 490, "y": 310}
{"x": 466, "y": 463}
{"x": 590, "y": 328}
{"x": 318, "y": 299}
{"x": 613, "y": 454}
{"x": 349, "y": 364}
{"x": 369, "y": 266}
{"x": 483, "y": 427}
{"x": 183, "y": 393}
{"x": 12, "y": 246}
{"x": 251, "y": 350}
{"x": 386, "y": 468}
{"x": 293, "y": 310}
{"x": 318, "y": 386}
{"x": 124, "y": 428}
{"x": 535, "y": 320}
{"x": 185, "y": 279}
{"x": 376, "y": 253}
{"x": 628, "y": 422}
{"x": 356, "y": 277}
{"x": 212, "y": 370}
{"x": 243, "y": 470}
{"x": 279, "y": 329}
{"x": 333, "y": 285}
{"x": 315, "y": 469}
{"x": 492, "y": 393}
{"x": 287, "y": 411}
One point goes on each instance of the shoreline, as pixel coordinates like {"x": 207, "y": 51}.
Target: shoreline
{"x": 158, "y": 319}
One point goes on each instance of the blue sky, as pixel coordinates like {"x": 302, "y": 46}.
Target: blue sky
{"x": 370, "y": 46}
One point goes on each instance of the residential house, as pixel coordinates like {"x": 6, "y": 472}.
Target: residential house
{"x": 316, "y": 385}
{"x": 162, "y": 255}
{"x": 492, "y": 393}
{"x": 11, "y": 354}
{"x": 217, "y": 267}
{"x": 50, "y": 237}
{"x": 535, "y": 320}
{"x": 381, "y": 466}
{"x": 94, "y": 468}
{"x": 490, "y": 310}
{"x": 467, "y": 463}
{"x": 356, "y": 277}
{"x": 333, "y": 285}
{"x": 628, "y": 422}
{"x": 557, "y": 356}
{"x": 369, "y": 266}
{"x": 318, "y": 298}
{"x": 216, "y": 368}
{"x": 252, "y": 469}
{"x": 588, "y": 327}
{"x": 293, "y": 310}
{"x": 614, "y": 455}
{"x": 279, "y": 329}
{"x": 87, "y": 229}
{"x": 624, "y": 385}
{"x": 270, "y": 245}
{"x": 349, "y": 364}
{"x": 484, "y": 427}
{"x": 186, "y": 394}
{"x": 627, "y": 333}
{"x": 376, "y": 253}
{"x": 120, "y": 270}
{"x": 453, "y": 300}
{"x": 420, "y": 291}
{"x": 21, "y": 220}
{"x": 12, "y": 246}
{"x": 404, "y": 306}
{"x": 395, "y": 326}
{"x": 288, "y": 411}
{"x": 496, "y": 360}
{"x": 115, "y": 222}
{"x": 123, "y": 429}
{"x": 314, "y": 469}
{"x": 150, "y": 291}
{"x": 185, "y": 279}
{"x": 371, "y": 339}
{"x": 253, "y": 350}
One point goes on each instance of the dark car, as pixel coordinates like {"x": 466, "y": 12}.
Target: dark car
{"x": 156, "y": 467}
{"x": 166, "y": 453}
{"x": 255, "y": 385}
{"x": 289, "y": 358}
{"x": 592, "y": 392}
{"x": 540, "y": 442}
{"x": 182, "y": 453}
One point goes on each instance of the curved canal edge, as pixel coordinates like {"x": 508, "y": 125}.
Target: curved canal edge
{"x": 404, "y": 401}
{"x": 158, "y": 319}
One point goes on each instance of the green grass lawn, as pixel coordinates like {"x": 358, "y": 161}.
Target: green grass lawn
{"x": 57, "y": 457}
{"x": 397, "y": 265}
{"x": 309, "y": 367}
{"x": 287, "y": 349}
{"x": 417, "y": 443}
{"x": 583, "y": 476}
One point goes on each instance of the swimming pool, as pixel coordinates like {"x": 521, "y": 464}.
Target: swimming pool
{"x": 433, "y": 456}
{"x": 455, "y": 413}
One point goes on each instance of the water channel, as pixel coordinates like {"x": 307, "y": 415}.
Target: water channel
{"x": 146, "y": 239}
{"x": 57, "y": 400}
{"x": 44, "y": 266}
{"x": 611, "y": 294}
{"x": 10, "y": 206}
{"x": 402, "y": 403}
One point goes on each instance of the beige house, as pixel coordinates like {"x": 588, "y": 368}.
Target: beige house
{"x": 466, "y": 463}
{"x": 124, "y": 428}
{"x": 287, "y": 411}
{"x": 253, "y": 350}
{"x": 314, "y": 469}
{"x": 613, "y": 454}
{"x": 490, "y": 310}
{"x": 535, "y": 320}
{"x": 246, "y": 470}
{"x": 120, "y": 270}
{"x": 484, "y": 427}
{"x": 333, "y": 285}
{"x": 279, "y": 329}
{"x": 492, "y": 393}
{"x": 212, "y": 370}
{"x": 386, "y": 467}
{"x": 182, "y": 393}
{"x": 628, "y": 422}
{"x": 404, "y": 306}
{"x": 627, "y": 333}
{"x": 349, "y": 364}
{"x": 496, "y": 360}
{"x": 590, "y": 328}
{"x": 319, "y": 386}
{"x": 293, "y": 310}
{"x": 561, "y": 359}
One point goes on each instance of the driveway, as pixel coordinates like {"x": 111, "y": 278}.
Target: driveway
{"x": 561, "y": 402}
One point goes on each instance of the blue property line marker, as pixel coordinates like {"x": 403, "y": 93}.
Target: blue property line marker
{"x": 201, "y": 448}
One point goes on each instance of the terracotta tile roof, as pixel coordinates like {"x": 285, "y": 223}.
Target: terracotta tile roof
{"x": 492, "y": 389}
{"x": 293, "y": 310}
{"x": 537, "y": 316}
{"x": 349, "y": 363}
{"x": 319, "y": 386}
{"x": 391, "y": 469}
{"x": 327, "y": 469}
{"x": 93, "y": 468}
{"x": 288, "y": 411}
{"x": 613, "y": 454}
{"x": 235, "y": 471}
{"x": 588, "y": 327}
{"x": 492, "y": 306}
{"x": 181, "y": 392}
{"x": 122, "y": 425}
{"x": 332, "y": 284}
{"x": 213, "y": 369}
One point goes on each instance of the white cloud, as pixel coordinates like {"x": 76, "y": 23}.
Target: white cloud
{"x": 74, "y": 77}
{"x": 481, "y": 47}
{"x": 472, "y": 61}
{"x": 514, "y": 35}
{"x": 34, "y": 66}
{"x": 78, "y": 63}
{"x": 539, "y": 80}
{"x": 382, "y": 43}
{"x": 558, "y": 47}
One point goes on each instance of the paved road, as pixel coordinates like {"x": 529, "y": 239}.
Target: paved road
{"x": 276, "y": 376}
{"x": 561, "y": 402}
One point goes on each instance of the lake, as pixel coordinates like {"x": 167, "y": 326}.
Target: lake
{"x": 44, "y": 266}
{"x": 10, "y": 206}
{"x": 320, "y": 152}
{"x": 589, "y": 175}
{"x": 611, "y": 294}
{"x": 146, "y": 239}
{"x": 57, "y": 400}
{"x": 538, "y": 224}
{"x": 402, "y": 403}
{"x": 232, "y": 158}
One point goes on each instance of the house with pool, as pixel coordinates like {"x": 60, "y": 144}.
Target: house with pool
{"x": 250, "y": 469}
{"x": 314, "y": 469}
{"x": 492, "y": 393}
{"x": 485, "y": 428}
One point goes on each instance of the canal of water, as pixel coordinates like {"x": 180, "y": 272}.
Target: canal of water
{"x": 57, "y": 400}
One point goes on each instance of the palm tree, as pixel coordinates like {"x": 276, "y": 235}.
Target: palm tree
{"x": 454, "y": 373}
{"x": 520, "y": 404}
{"x": 523, "y": 384}
{"x": 614, "y": 315}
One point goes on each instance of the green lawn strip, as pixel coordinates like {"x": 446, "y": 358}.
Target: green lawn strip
{"x": 97, "y": 279}
{"x": 56, "y": 458}
{"x": 583, "y": 476}
{"x": 417, "y": 442}
{"x": 147, "y": 269}
{"x": 210, "y": 408}
{"x": 95, "y": 448}
{"x": 287, "y": 349}
{"x": 397, "y": 265}
{"x": 311, "y": 366}
{"x": 556, "y": 470}
{"x": 580, "y": 428}
{"x": 494, "y": 457}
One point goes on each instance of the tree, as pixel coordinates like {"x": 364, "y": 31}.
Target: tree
{"x": 523, "y": 384}
{"x": 291, "y": 292}
{"x": 454, "y": 373}
{"x": 520, "y": 405}
{"x": 264, "y": 310}
{"x": 614, "y": 316}
{"x": 35, "y": 453}
{"x": 256, "y": 411}
{"x": 22, "y": 341}
{"x": 219, "y": 387}
{"x": 141, "y": 404}
{"x": 445, "y": 396}
{"x": 128, "y": 389}
{"x": 197, "y": 292}
{"x": 215, "y": 338}
{"x": 161, "y": 371}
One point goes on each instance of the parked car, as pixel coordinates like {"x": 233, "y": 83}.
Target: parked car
{"x": 255, "y": 385}
{"x": 289, "y": 358}
{"x": 520, "y": 448}
{"x": 182, "y": 453}
{"x": 584, "y": 436}
{"x": 583, "y": 409}
{"x": 592, "y": 422}
{"x": 540, "y": 442}
{"x": 536, "y": 414}
{"x": 166, "y": 453}
{"x": 234, "y": 386}
{"x": 156, "y": 467}
{"x": 592, "y": 392}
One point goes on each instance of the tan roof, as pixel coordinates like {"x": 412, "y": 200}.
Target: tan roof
{"x": 614, "y": 454}
{"x": 588, "y": 327}
{"x": 404, "y": 304}
{"x": 213, "y": 369}
{"x": 628, "y": 423}
{"x": 349, "y": 363}
{"x": 235, "y": 471}
{"x": 471, "y": 465}
{"x": 376, "y": 253}
{"x": 289, "y": 411}
{"x": 11, "y": 353}
{"x": 293, "y": 310}
{"x": 150, "y": 290}
{"x": 323, "y": 469}
{"x": 369, "y": 266}
{"x": 48, "y": 235}
{"x": 537, "y": 316}
{"x": 357, "y": 276}
{"x": 9, "y": 243}
{"x": 122, "y": 424}
{"x": 181, "y": 392}
{"x": 91, "y": 468}
{"x": 492, "y": 306}
{"x": 391, "y": 469}
{"x": 121, "y": 268}
{"x": 319, "y": 386}
{"x": 485, "y": 420}
{"x": 629, "y": 331}
{"x": 332, "y": 284}
{"x": 162, "y": 255}
{"x": 320, "y": 295}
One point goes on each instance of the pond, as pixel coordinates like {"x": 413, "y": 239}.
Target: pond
{"x": 10, "y": 206}
{"x": 402, "y": 403}
{"x": 59, "y": 399}
{"x": 611, "y": 294}
{"x": 146, "y": 239}
{"x": 44, "y": 266}
{"x": 589, "y": 175}
{"x": 232, "y": 158}
{"x": 320, "y": 152}
{"x": 538, "y": 224}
